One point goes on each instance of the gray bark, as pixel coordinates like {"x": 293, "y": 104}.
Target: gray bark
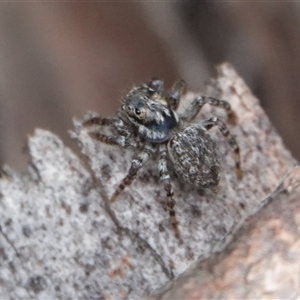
{"x": 60, "y": 237}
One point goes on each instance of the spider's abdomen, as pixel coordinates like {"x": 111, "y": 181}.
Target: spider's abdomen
{"x": 194, "y": 157}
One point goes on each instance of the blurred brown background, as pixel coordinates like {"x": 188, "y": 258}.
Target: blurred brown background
{"x": 59, "y": 60}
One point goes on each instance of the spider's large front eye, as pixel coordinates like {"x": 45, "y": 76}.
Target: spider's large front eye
{"x": 137, "y": 111}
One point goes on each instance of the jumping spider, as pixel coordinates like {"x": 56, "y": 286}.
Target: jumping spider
{"x": 148, "y": 118}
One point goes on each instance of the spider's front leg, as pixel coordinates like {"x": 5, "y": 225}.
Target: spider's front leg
{"x": 196, "y": 105}
{"x": 209, "y": 123}
{"x": 136, "y": 164}
{"x": 166, "y": 180}
{"x": 122, "y": 138}
{"x": 175, "y": 94}
{"x": 156, "y": 86}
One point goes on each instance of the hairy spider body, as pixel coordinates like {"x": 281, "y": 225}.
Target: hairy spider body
{"x": 148, "y": 118}
{"x": 192, "y": 152}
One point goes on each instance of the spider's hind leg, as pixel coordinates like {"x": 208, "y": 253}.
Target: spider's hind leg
{"x": 209, "y": 123}
{"x": 165, "y": 178}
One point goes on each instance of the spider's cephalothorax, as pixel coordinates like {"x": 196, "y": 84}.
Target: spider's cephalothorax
{"x": 148, "y": 117}
{"x": 147, "y": 108}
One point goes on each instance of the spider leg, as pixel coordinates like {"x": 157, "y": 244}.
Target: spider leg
{"x": 157, "y": 86}
{"x": 165, "y": 178}
{"x": 209, "y": 123}
{"x": 176, "y": 92}
{"x": 122, "y": 137}
{"x": 136, "y": 164}
{"x": 115, "y": 123}
{"x": 100, "y": 121}
{"x": 191, "y": 112}
{"x": 112, "y": 140}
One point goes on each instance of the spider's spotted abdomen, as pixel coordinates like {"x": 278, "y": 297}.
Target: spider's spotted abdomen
{"x": 193, "y": 155}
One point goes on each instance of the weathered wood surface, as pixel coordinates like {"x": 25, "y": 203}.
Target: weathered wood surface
{"x": 262, "y": 257}
{"x": 59, "y": 238}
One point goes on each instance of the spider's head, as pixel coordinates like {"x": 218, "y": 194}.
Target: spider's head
{"x": 147, "y": 109}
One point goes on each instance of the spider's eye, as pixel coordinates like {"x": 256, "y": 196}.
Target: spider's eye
{"x": 137, "y": 111}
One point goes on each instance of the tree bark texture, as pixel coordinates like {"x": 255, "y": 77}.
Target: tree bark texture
{"x": 61, "y": 238}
